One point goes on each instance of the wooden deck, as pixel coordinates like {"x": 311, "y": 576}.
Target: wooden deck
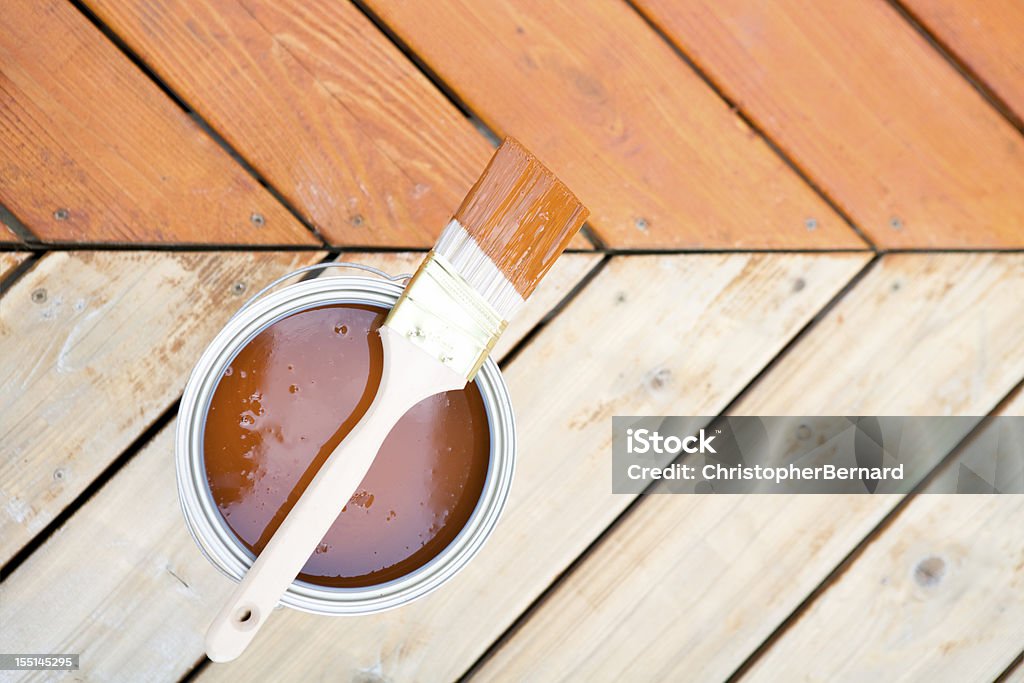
{"x": 818, "y": 207}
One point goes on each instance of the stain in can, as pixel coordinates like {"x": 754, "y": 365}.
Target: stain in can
{"x": 289, "y": 398}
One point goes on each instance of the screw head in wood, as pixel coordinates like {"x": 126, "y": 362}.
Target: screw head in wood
{"x": 238, "y": 288}
{"x": 39, "y": 296}
{"x": 257, "y": 219}
{"x": 61, "y": 214}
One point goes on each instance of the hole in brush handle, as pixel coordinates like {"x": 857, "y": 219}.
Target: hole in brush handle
{"x": 246, "y": 617}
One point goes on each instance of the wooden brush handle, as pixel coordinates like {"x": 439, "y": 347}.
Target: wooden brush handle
{"x": 409, "y": 375}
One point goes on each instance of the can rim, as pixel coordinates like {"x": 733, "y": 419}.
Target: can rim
{"x": 207, "y": 526}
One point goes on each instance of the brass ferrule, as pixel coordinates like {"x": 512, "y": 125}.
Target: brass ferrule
{"x": 446, "y": 317}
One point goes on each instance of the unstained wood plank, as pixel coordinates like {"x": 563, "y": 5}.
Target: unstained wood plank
{"x": 9, "y": 260}
{"x": 324, "y": 107}
{"x": 92, "y": 151}
{"x": 659, "y": 159}
{"x": 94, "y": 346}
{"x": 869, "y": 109}
{"x": 939, "y": 595}
{"x": 987, "y": 36}
{"x": 563, "y": 396}
{"x": 688, "y": 586}
{"x": 106, "y": 548}
{"x": 626, "y": 342}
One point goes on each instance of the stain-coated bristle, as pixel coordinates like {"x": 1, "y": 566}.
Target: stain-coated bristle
{"x": 515, "y": 221}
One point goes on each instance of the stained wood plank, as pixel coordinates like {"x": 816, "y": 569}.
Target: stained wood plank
{"x": 565, "y": 393}
{"x": 9, "y": 260}
{"x": 658, "y": 158}
{"x": 104, "y": 547}
{"x": 938, "y": 596}
{"x": 92, "y": 150}
{"x": 321, "y": 104}
{"x": 568, "y": 271}
{"x": 93, "y": 347}
{"x": 6, "y": 234}
{"x": 869, "y": 109}
{"x": 919, "y": 335}
{"x": 985, "y": 36}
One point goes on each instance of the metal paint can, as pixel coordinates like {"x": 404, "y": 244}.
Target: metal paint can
{"x": 204, "y": 521}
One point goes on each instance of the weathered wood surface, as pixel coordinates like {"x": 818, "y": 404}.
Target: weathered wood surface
{"x": 92, "y": 151}
{"x": 497, "y": 585}
{"x": 1016, "y": 674}
{"x": 9, "y": 261}
{"x": 939, "y": 595}
{"x": 93, "y": 347}
{"x": 143, "y": 572}
{"x": 739, "y": 310}
{"x": 919, "y": 335}
{"x": 984, "y": 35}
{"x": 321, "y": 104}
{"x": 873, "y": 113}
{"x": 658, "y": 158}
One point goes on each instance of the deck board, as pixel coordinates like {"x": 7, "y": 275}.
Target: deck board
{"x": 960, "y": 617}
{"x": 965, "y": 624}
{"x": 659, "y": 159}
{"x": 560, "y": 500}
{"x": 870, "y": 110}
{"x": 103, "y": 547}
{"x": 717, "y": 559}
{"x": 985, "y": 36}
{"x": 92, "y": 151}
{"x": 90, "y": 365}
{"x": 10, "y": 260}
{"x": 321, "y": 104}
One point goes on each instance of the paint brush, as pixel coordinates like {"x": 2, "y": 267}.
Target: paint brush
{"x": 515, "y": 221}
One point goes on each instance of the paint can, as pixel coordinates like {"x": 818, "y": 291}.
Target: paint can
{"x": 205, "y": 522}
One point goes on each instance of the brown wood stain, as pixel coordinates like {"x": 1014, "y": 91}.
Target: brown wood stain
{"x": 290, "y": 397}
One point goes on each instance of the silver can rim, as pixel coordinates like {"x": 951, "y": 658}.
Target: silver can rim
{"x": 220, "y": 545}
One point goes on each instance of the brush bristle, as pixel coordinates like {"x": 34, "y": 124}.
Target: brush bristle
{"x": 515, "y": 221}
{"x": 477, "y": 268}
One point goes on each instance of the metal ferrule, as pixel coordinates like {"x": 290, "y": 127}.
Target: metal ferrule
{"x": 446, "y": 317}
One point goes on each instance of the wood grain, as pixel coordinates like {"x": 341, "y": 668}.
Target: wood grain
{"x": 686, "y": 587}
{"x": 658, "y": 158}
{"x": 92, "y": 151}
{"x": 150, "y": 592}
{"x": 321, "y": 104}
{"x": 1015, "y": 674}
{"x": 869, "y": 109}
{"x": 560, "y": 502}
{"x": 985, "y": 36}
{"x": 89, "y": 365}
{"x": 9, "y": 260}
{"x": 599, "y": 357}
{"x": 569, "y": 270}
{"x": 938, "y": 596}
